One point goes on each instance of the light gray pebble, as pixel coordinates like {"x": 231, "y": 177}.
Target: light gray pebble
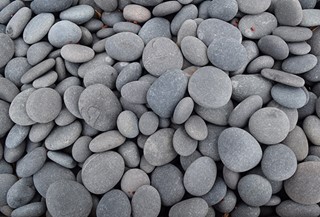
{"x": 146, "y": 202}
{"x": 68, "y": 197}
{"x": 37, "y": 71}
{"x": 274, "y": 46}
{"x": 259, "y": 63}
{"x": 38, "y": 27}
{"x": 298, "y": 143}
{"x": 289, "y": 208}
{"x": 228, "y": 203}
{"x": 113, "y": 204}
{"x": 137, "y": 13}
{"x": 311, "y": 17}
{"x": 105, "y": 32}
{"x": 132, "y": 179}
{"x": 135, "y": 92}
{"x": 6, "y": 49}
{"x": 153, "y": 28}
{"x": 35, "y": 209}
{"x": 293, "y": 34}
{"x": 18, "y": 22}
{"x": 283, "y": 77}
{"x": 311, "y": 125}
{"x": 45, "y": 80}
{"x": 93, "y": 25}
{"x": 8, "y": 90}
{"x": 12, "y": 155}
{"x": 188, "y": 28}
{"x": 253, "y": 6}
{"x": 16, "y": 135}
{"x": 108, "y": 6}
{"x": 127, "y": 123}
{"x": 38, "y": 52}
{"x": 102, "y": 171}
{"x": 158, "y": 149}
{"x": 138, "y": 109}
{"x": 196, "y": 127}
{"x": 64, "y": 118}
{"x": 15, "y": 68}
{"x": 111, "y": 18}
{"x": 39, "y": 6}
{"x": 78, "y": 14}
{"x": 130, "y": 153}
{"x": 183, "y": 144}
{"x": 186, "y": 12}
{"x": 148, "y": 123}
{"x": 62, "y": 159}
{"x": 49, "y": 174}
{"x": 6, "y": 180}
{"x": 160, "y": 55}
{"x": 194, "y": 50}
{"x": 80, "y": 149}
{"x": 230, "y": 178}
{"x": 203, "y": 9}
{"x": 217, "y": 192}
{"x": 76, "y": 53}
{"x": 8, "y": 10}
{"x": 21, "y": 193}
{"x": 255, "y": 26}
{"x": 299, "y": 64}
{"x": 166, "y": 8}
{"x": 312, "y": 75}
{"x": 189, "y": 207}
{"x": 145, "y": 166}
{"x": 243, "y": 210}
{"x": 71, "y": 97}
{"x": 126, "y": 27}
{"x": 106, "y": 141}
{"x": 130, "y": 72}
{"x": 183, "y": 110}
{"x": 291, "y": 113}
{"x": 288, "y": 12}
{"x": 223, "y": 10}
{"x": 4, "y": 3}
{"x": 20, "y": 47}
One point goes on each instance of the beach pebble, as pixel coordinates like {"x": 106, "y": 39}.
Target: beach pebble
{"x": 196, "y": 127}
{"x": 293, "y": 34}
{"x": 135, "y": 92}
{"x": 283, "y": 77}
{"x": 243, "y": 210}
{"x": 75, "y": 53}
{"x": 80, "y": 149}
{"x": 228, "y": 203}
{"x": 289, "y": 208}
{"x": 274, "y": 46}
{"x": 21, "y": 193}
{"x": 5, "y": 118}
{"x": 299, "y": 48}
{"x": 106, "y": 141}
{"x": 189, "y": 207}
{"x": 183, "y": 110}
{"x": 108, "y": 6}
{"x": 311, "y": 17}
{"x": 7, "y": 181}
{"x": 299, "y": 64}
{"x": 223, "y": 10}
{"x": 62, "y": 159}
{"x": 102, "y": 171}
{"x": 130, "y": 153}
{"x": 153, "y": 28}
{"x": 39, "y": 6}
{"x": 8, "y": 90}
{"x": 15, "y": 68}
{"x": 31, "y": 162}
{"x": 166, "y": 8}
{"x": 189, "y": 11}
{"x": 253, "y": 6}
{"x": 18, "y": 22}
{"x": 136, "y": 13}
{"x": 310, "y": 126}
{"x": 6, "y": 49}
{"x": 217, "y": 192}
{"x": 194, "y": 50}
{"x": 291, "y": 97}
{"x": 148, "y": 123}
{"x": 188, "y": 28}
{"x": 71, "y": 98}
{"x": 127, "y": 123}
{"x": 298, "y": 143}
{"x": 183, "y": 144}
{"x": 288, "y": 12}
{"x": 132, "y": 180}
{"x": 16, "y": 135}
{"x": 77, "y": 14}
{"x": 38, "y": 52}
{"x": 10, "y": 9}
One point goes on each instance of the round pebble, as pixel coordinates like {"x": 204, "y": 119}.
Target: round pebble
{"x": 297, "y": 141}
{"x": 155, "y": 27}
{"x": 274, "y": 46}
{"x": 183, "y": 144}
{"x": 136, "y": 13}
{"x": 189, "y": 207}
{"x": 130, "y": 153}
{"x": 299, "y": 64}
{"x": 189, "y": 11}
{"x": 260, "y": 63}
{"x": 217, "y": 192}
{"x": 6, "y": 49}
{"x": 194, "y": 50}
{"x": 289, "y": 208}
{"x": 132, "y": 180}
{"x": 228, "y": 203}
{"x": 127, "y": 123}
{"x": 31, "y": 162}
{"x": 75, "y": 53}
{"x": 196, "y": 128}
{"x": 239, "y": 151}
{"x": 148, "y": 123}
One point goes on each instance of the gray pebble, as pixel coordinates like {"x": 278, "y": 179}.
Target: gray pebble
{"x": 18, "y": 22}
{"x": 145, "y": 166}
{"x": 153, "y": 28}
{"x": 243, "y": 156}
{"x": 189, "y": 207}
{"x": 166, "y": 8}
{"x": 99, "y": 60}
{"x": 132, "y": 180}
{"x": 186, "y": 12}
{"x": 311, "y": 17}
{"x": 111, "y": 18}
{"x": 212, "y": 29}
{"x": 312, "y": 75}
{"x": 283, "y": 77}
{"x": 16, "y": 135}
{"x": 137, "y": 13}
{"x": 102, "y": 171}
{"x": 158, "y": 149}
{"x": 298, "y": 143}
{"x": 62, "y": 137}
{"x": 129, "y": 51}
{"x": 299, "y": 48}
{"x": 68, "y": 197}
{"x": 21, "y": 193}
{"x": 165, "y": 93}
{"x": 8, "y": 90}
{"x": 130, "y": 153}
{"x": 217, "y": 192}
{"x": 71, "y": 98}
{"x": 188, "y": 28}
{"x": 7, "y": 181}
{"x": 255, "y": 26}
{"x": 301, "y": 187}
{"x": 38, "y": 27}
{"x": 10, "y": 9}
{"x": 106, "y": 141}
{"x": 160, "y": 55}
{"x": 130, "y": 72}
{"x": 38, "y": 52}
{"x": 312, "y": 158}
{"x": 135, "y": 92}
{"x": 39, "y": 6}
{"x": 230, "y": 178}
{"x": 299, "y": 64}
{"x": 20, "y": 47}
{"x": 288, "y": 12}
{"x": 62, "y": 159}
{"x": 138, "y": 109}
{"x": 127, "y": 123}
{"x": 147, "y": 2}
{"x": 259, "y": 63}
{"x": 168, "y": 180}
{"x": 46, "y": 80}
{"x": 37, "y": 71}
{"x": 48, "y": 174}
{"x": 223, "y": 10}
{"x": 6, "y": 49}
{"x": 35, "y": 209}
{"x": 243, "y": 210}
{"x": 183, "y": 144}
{"x": 5, "y": 167}
{"x": 43, "y": 105}
{"x": 289, "y": 208}
{"x": 311, "y": 125}
{"x": 109, "y": 5}
{"x": 78, "y": 14}
{"x": 183, "y": 110}
{"x": 4, "y": 3}
{"x": 126, "y": 27}
{"x": 76, "y": 53}
{"x": 308, "y": 4}
{"x": 148, "y": 123}
{"x": 278, "y": 162}
{"x": 253, "y": 6}
{"x": 12, "y": 155}
{"x": 5, "y": 118}
{"x": 259, "y": 188}
{"x": 194, "y": 50}
{"x": 64, "y": 32}
{"x": 274, "y": 46}
{"x": 196, "y": 128}
{"x": 31, "y": 162}
{"x": 291, "y": 97}
{"x": 98, "y": 101}
{"x": 146, "y": 202}
{"x": 185, "y": 161}
{"x": 80, "y": 149}
{"x": 15, "y": 68}
{"x": 113, "y": 204}
{"x": 228, "y": 203}
{"x": 293, "y": 34}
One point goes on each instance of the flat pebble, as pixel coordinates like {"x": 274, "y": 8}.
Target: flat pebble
{"x": 45, "y": 80}
{"x": 166, "y": 8}
{"x": 7, "y": 181}
{"x": 9, "y": 9}
{"x": 188, "y": 28}
{"x": 289, "y": 208}
{"x": 217, "y": 192}
{"x": 132, "y": 180}
{"x": 299, "y": 64}
{"x": 106, "y": 141}
{"x": 130, "y": 153}
{"x": 148, "y": 123}
{"x": 31, "y": 209}
{"x": 312, "y": 75}
{"x": 6, "y": 49}
{"x": 183, "y": 144}
{"x": 243, "y": 210}
{"x": 16, "y": 135}
{"x": 158, "y": 149}
{"x": 136, "y": 13}
{"x": 80, "y": 149}
{"x": 8, "y": 90}
{"x": 228, "y": 203}
{"x": 102, "y": 171}
{"x": 186, "y": 12}
{"x": 189, "y": 207}
{"x": 135, "y": 91}
{"x": 12, "y": 155}
{"x": 129, "y": 51}
{"x": 291, "y": 97}
{"x": 298, "y": 143}
{"x": 288, "y": 12}
{"x": 62, "y": 159}
{"x": 259, "y": 188}
{"x": 311, "y": 125}
{"x": 283, "y": 77}
{"x": 15, "y": 68}
{"x": 223, "y": 10}
{"x": 75, "y": 53}
{"x": 21, "y": 193}
{"x": 18, "y": 22}
{"x": 196, "y": 128}
{"x": 253, "y": 6}
{"x": 37, "y": 71}
{"x": 146, "y": 202}
{"x": 261, "y": 120}
{"x": 194, "y": 50}
{"x": 274, "y": 46}
{"x": 113, "y": 204}
{"x": 127, "y": 123}
{"x": 31, "y": 162}
{"x": 38, "y": 52}
{"x": 183, "y": 110}
{"x": 39, "y": 6}
{"x": 70, "y": 198}
{"x": 78, "y": 14}
{"x": 293, "y": 34}
{"x": 311, "y": 17}
{"x": 299, "y": 48}
{"x": 160, "y": 55}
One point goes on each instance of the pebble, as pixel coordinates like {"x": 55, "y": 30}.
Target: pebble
{"x": 194, "y": 50}
{"x": 161, "y": 54}
{"x": 132, "y": 180}
{"x": 147, "y": 2}
{"x": 37, "y": 71}
{"x": 254, "y": 190}
{"x": 253, "y": 6}
{"x": 8, "y": 90}
{"x": 302, "y": 186}
{"x": 168, "y": 180}
{"x": 12, "y": 155}
{"x": 102, "y": 171}
{"x": 146, "y": 202}
{"x": 196, "y": 127}
{"x": 274, "y": 46}
{"x": 148, "y": 123}
{"x": 16, "y": 136}
{"x": 104, "y": 74}
{"x": 71, "y": 98}
{"x": 20, "y": 47}
{"x": 6, "y": 49}
{"x": 108, "y": 6}
{"x": 136, "y": 13}
{"x": 215, "y": 95}
{"x": 18, "y": 22}
{"x": 289, "y": 208}
{"x": 188, "y": 28}
{"x": 77, "y": 14}
{"x": 98, "y": 101}
{"x": 189, "y": 207}
{"x": 31, "y": 162}
{"x": 135, "y": 92}
{"x": 297, "y": 141}
{"x": 68, "y": 197}
{"x": 130, "y": 153}
{"x": 39, "y": 6}
{"x": 307, "y": 4}
{"x": 256, "y": 27}
{"x": 129, "y": 51}
{"x": 106, "y": 141}
{"x": 311, "y": 17}
{"x": 158, "y": 149}
{"x": 15, "y": 68}
{"x": 165, "y": 93}
{"x": 31, "y": 209}
{"x": 71, "y": 33}
{"x": 212, "y": 29}
{"x": 145, "y": 166}
{"x": 5, "y": 118}
{"x": 288, "y": 12}
{"x": 261, "y": 120}
{"x": 21, "y": 193}
{"x": 7, "y": 181}
{"x": 260, "y": 63}
{"x": 228, "y": 203}
{"x": 80, "y": 149}
{"x": 243, "y": 210}
{"x": 299, "y": 64}
{"x": 183, "y": 144}
{"x": 291, "y": 97}
{"x": 209, "y": 146}
{"x": 243, "y": 156}
{"x": 113, "y": 204}
{"x": 45, "y": 80}
{"x": 293, "y": 34}
{"x": 75, "y": 53}
{"x": 183, "y": 110}
{"x": 10, "y": 9}
{"x": 62, "y": 159}
{"x": 166, "y": 8}
{"x": 223, "y": 10}
{"x": 38, "y": 52}
{"x": 49, "y": 174}
{"x": 217, "y": 192}
{"x": 310, "y": 126}
{"x": 186, "y": 12}
{"x": 126, "y": 27}
{"x": 283, "y": 77}
{"x": 127, "y": 124}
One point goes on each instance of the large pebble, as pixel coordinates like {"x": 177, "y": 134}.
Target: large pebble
{"x": 189, "y": 208}
{"x": 153, "y": 28}
{"x": 106, "y": 141}
{"x": 6, "y": 49}
{"x": 75, "y": 53}
{"x": 253, "y": 6}
{"x": 223, "y": 10}
{"x": 269, "y": 125}
{"x": 99, "y": 107}
{"x": 293, "y": 34}
{"x": 299, "y": 64}
{"x": 146, "y": 202}
{"x": 303, "y": 186}
{"x": 160, "y": 55}
{"x": 38, "y": 52}
{"x": 239, "y": 151}
{"x": 194, "y": 50}
{"x": 283, "y": 77}
{"x": 274, "y": 46}
{"x": 132, "y": 180}
{"x": 40, "y": 6}
{"x": 166, "y": 8}
{"x": 101, "y": 172}
{"x": 310, "y": 18}
{"x": 288, "y": 12}
{"x": 68, "y": 198}
{"x": 31, "y": 162}
{"x": 289, "y": 208}
{"x": 165, "y": 93}
{"x": 78, "y": 14}
{"x": 158, "y": 149}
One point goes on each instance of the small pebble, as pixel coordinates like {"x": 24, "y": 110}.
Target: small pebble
{"x": 136, "y": 13}
{"x": 289, "y": 208}
{"x": 75, "y": 53}
{"x": 21, "y": 193}
{"x": 183, "y": 144}
{"x": 299, "y": 64}
{"x": 283, "y": 77}
{"x": 288, "y": 12}
{"x": 6, "y": 49}
{"x": 166, "y": 8}
{"x": 223, "y": 10}
{"x": 78, "y": 14}
{"x": 132, "y": 180}
{"x": 274, "y": 46}
{"x": 106, "y": 141}
{"x": 196, "y": 128}
{"x": 297, "y": 141}
{"x": 127, "y": 123}
{"x": 194, "y": 50}
{"x": 148, "y": 123}
{"x": 189, "y": 207}
{"x": 217, "y": 192}
{"x": 310, "y": 126}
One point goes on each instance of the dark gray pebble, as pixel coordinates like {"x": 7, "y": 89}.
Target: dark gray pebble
{"x": 228, "y": 203}
{"x": 7, "y": 181}
{"x": 71, "y": 97}
{"x": 183, "y": 110}
{"x": 130, "y": 72}
{"x": 243, "y": 210}
{"x": 15, "y": 69}
{"x": 311, "y": 125}
{"x": 299, "y": 48}
{"x": 217, "y": 192}
{"x": 130, "y": 153}
{"x": 35, "y": 209}
{"x": 186, "y": 12}
{"x": 127, "y": 124}
{"x": 10, "y": 9}
{"x": 5, "y": 118}
{"x": 126, "y": 27}
{"x": 133, "y": 179}
{"x": 274, "y": 46}
{"x": 259, "y": 63}
{"x": 148, "y": 123}
{"x": 21, "y": 193}
{"x": 297, "y": 141}
{"x": 37, "y": 71}
{"x": 8, "y": 90}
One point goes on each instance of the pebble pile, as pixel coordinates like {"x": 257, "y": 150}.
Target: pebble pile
{"x": 169, "y": 108}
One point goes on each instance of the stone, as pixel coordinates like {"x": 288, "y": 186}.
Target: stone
{"x": 293, "y": 34}
{"x": 183, "y": 110}
{"x": 288, "y": 12}
{"x": 137, "y": 13}
{"x": 289, "y": 208}
{"x": 310, "y": 18}
{"x": 228, "y": 203}
{"x": 223, "y": 10}
{"x": 243, "y": 210}
{"x": 108, "y": 6}
{"x": 135, "y": 92}
{"x": 188, "y": 28}
{"x": 260, "y": 63}
{"x": 76, "y": 53}
{"x": 148, "y": 123}
{"x": 186, "y": 12}
{"x": 39, "y": 6}
{"x": 298, "y": 143}
{"x": 71, "y": 98}
{"x": 127, "y": 123}
{"x": 217, "y": 192}
{"x": 8, "y": 90}
{"x": 62, "y": 159}
{"x": 77, "y": 14}
{"x": 80, "y": 149}
{"x": 21, "y": 193}
{"x": 130, "y": 153}
{"x": 283, "y": 77}
{"x": 183, "y": 144}
{"x": 153, "y": 28}
{"x": 253, "y": 6}
{"x": 18, "y": 22}
{"x": 231, "y": 178}
{"x": 16, "y": 136}
{"x": 310, "y": 126}
{"x": 196, "y": 128}
{"x": 15, "y": 69}
{"x": 166, "y": 8}
{"x": 299, "y": 64}
{"x": 194, "y": 50}
{"x": 290, "y": 97}
{"x": 6, "y": 49}
{"x": 274, "y": 46}
{"x": 31, "y": 162}
{"x": 106, "y": 141}
{"x": 132, "y": 180}
{"x": 189, "y": 207}
{"x": 31, "y": 209}
{"x": 38, "y": 52}
{"x": 7, "y": 181}
{"x": 299, "y": 48}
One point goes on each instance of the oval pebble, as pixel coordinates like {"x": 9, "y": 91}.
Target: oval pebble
{"x": 39, "y": 6}
{"x": 288, "y": 12}
{"x": 160, "y": 55}
{"x": 293, "y": 34}
{"x": 291, "y": 97}
{"x": 302, "y": 187}
{"x": 158, "y": 149}
{"x": 18, "y": 22}
{"x": 76, "y": 53}
{"x": 135, "y": 91}
{"x": 71, "y": 97}
{"x": 7, "y": 181}
{"x": 311, "y": 17}
{"x": 113, "y": 204}
{"x": 129, "y": 51}
{"x": 38, "y": 52}
{"x": 6, "y": 49}
{"x": 289, "y": 208}
{"x": 132, "y": 180}
{"x": 189, "y": 207}
{"x": 153, "y": 28}
{"x": 16, "y": 135}
{"x": 5, "y": 118}
{"x": 127, "y": 123}
{"x": 62, "y": 159}
{"x": 299, "y": 48}
{"x": 80, "y": 149}
{"x": 21, "y": 193}
{"x": 260, "y": 63}
{"x": 37, "y": 71}
{"x": 253, "y": 6}
{"x": 31, "y": 209}
{"x": 69, "y": 198}
{"x": 148, "y": 123}
{"x": 183, "y": 144}
{"x": 107, "y": 6}
{"x": 8, "y": 90}
{"x": 299, "y": 64}
{"x": 243, "y": 210}
{"x": 9, "y": 9}
{"x": 130, "y": 153}
{"x": 292, "y": 114}
{"x": 189, "y": 11}
{"x": 254, "y": 190}
{"x": 15, "y": 69}
{"x": 194, "y": 50}
{"x": 77, "y": 14}
{"x": 274, "y": 46}
{"x": 102, "y": 171}
{"x": 183, "y": 110}
{"x": 217, "y": 192}
{"x": 136, "y": 13}
{"x": 106, "y": 141}
{"x": 223, "y": 10}
{"x": 245, "y": 153}
{"x": 297, "y": 141}
{"x": 166, "y": 8}
{"x": 311, "y": 126}
{"x": 283, "y": 77}
{"x": 196, "y": 128}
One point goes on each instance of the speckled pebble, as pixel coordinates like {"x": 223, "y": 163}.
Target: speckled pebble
{"x": 189, "y": 207}
{"x": 148, "y": 123}
{"x": 127, "y": 123}
{"x": 283, "y": 77}
{"x": 299, "y": 64}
